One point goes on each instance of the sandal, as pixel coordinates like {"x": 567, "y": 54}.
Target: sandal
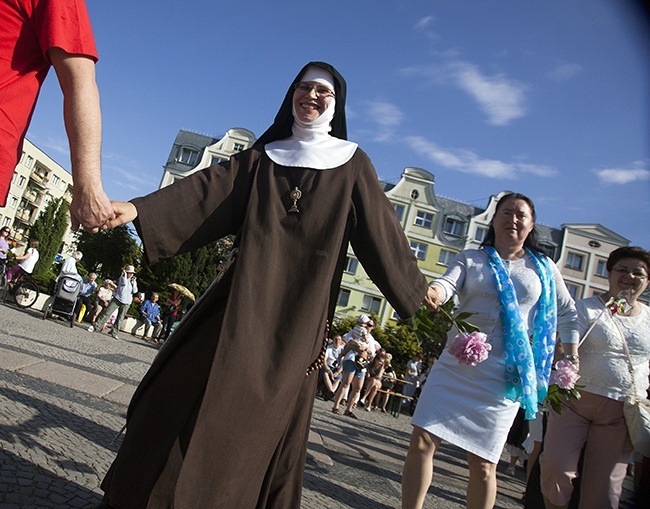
{"x": 350, "y": 414}
{"x": 336, "y": 411}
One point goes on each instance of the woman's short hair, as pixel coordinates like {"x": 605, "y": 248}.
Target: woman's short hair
{"x": 636, "y": 252}
{"x": 531, "y": 241}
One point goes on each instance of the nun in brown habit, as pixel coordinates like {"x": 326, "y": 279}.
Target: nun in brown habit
{"x": 221, "y": 419}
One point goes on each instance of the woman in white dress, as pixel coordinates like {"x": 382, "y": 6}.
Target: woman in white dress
{"x": 519, "y": 300}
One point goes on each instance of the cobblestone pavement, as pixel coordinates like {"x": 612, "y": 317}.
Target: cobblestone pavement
{"x": 63, "y": 398}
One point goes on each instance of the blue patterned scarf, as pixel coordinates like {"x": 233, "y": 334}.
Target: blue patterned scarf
{"x": 528, "y": 366}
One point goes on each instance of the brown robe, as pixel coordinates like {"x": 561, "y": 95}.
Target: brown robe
{"x": 222, "y": 417}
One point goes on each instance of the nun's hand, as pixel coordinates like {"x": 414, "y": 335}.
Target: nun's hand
{"x": 125, "y": 212}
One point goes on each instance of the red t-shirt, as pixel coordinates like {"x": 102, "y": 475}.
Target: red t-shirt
{"x": 29, "y": 29}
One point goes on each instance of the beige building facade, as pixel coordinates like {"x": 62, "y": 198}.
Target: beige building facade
{"x": 37, "y": 180}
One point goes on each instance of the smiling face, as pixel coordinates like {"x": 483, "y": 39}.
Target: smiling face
{"x": 628, "y": 274}
{"x": 513, "y": 222}
{"x": 310, "y": 100}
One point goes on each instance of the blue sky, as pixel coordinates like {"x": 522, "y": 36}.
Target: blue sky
{"x": 545, "y": 98}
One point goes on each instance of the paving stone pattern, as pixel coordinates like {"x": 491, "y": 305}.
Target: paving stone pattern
{"x": 63, "y": 399}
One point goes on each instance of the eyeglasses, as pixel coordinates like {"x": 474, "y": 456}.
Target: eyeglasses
{"x": 635, "y": 273}
{"x": 321, "y": 90}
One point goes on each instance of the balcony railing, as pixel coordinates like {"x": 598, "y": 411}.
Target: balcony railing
{"x": 39, "y": 180}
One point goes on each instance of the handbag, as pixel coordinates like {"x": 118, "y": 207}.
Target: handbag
{"x": 637, "y": 419}
{"x": 636, "y": 410}
{"x": 362, "y": 360}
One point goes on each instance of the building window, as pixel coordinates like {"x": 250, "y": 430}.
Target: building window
{"x": 574, "y": 261}
{"x": 415, "y": 194}
{"x": 574, "y": 291}
{"x": 548, "y": 250}
{"x": 480, "y": 234}
{"x": 216, "y": 160}
{"x": 351, "y": 265}
{"x": 423, "y": 219}
{"x": 371, "y": 304}
{"x": 399, "y": 210}
{"x": 188, "y": 156}
{"x": 238, "y": 147}
{"x": 454, "y": 227}
{"x": 28, "y": 161}
{"x": 395, "y": 316}
{"x": 63, "y": 185}
{"x": 21, "y": 181}
{"x": 13, "y": 202}
{"x": 344, "y": 297}
{"x": 55, "y": 180}
{"x": 601, "y": 268}
{"x": 446, "y": 257}
{"x": 419, "y": 250}
{"x": 5, "y": 221}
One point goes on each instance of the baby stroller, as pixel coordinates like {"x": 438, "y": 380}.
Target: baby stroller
{"x": 65, "y": 296}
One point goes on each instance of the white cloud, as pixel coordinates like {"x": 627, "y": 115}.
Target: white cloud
{"x": 622, "y": 176}
{"x": 58, "y": 145}
{"x": 501, "y": 99}
{"x": 385, "y": 113}
{"x": 424, "y": 22}
{"x": 466, "y": 161}
{"x": 564, "y": 72}
{"x": 387, "y": 116}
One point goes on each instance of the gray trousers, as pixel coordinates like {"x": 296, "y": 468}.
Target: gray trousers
{"x": 108, "y": 311}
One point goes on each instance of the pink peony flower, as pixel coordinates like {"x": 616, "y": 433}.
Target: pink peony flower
{"x": 470, "y": 348}
{"x": 565, "y": 375}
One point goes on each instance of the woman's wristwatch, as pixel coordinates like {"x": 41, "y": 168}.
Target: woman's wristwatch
{"x": 573, "y": 357}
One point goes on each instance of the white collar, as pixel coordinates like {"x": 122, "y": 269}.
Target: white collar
{"x": 311, "y": 146}
{"x": 318, "y": 153}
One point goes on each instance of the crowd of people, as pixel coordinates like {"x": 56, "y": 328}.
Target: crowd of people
{"x": 101, "y": 305}
{"x": 295, "y": 200}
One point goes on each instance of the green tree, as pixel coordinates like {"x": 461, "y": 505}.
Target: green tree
{"x": 195, "y": 270}
{"x": 402, "y": 340}
{"x": 108, "y": 251}
{"x": 49, "y": 229}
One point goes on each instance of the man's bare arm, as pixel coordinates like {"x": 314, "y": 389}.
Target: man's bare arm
{"x": 83, "y": 122}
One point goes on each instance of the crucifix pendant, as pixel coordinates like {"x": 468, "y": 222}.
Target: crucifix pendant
{"x": 295, "y": 196}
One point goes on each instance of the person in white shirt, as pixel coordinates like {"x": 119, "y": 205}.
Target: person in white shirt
{"x": 27, "y": 261}
{"x": 69, "y": 266}
{"x": 332, "y": 369}
{"x": 353, "y": 374}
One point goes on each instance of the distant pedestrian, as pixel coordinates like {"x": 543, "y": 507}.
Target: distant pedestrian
{"x": 126, "y": 288}
{"x": 69, "y": 266}
{"x": 150, "y": 318}
{"x": 355, "y": 356}
{"x": 170, "y": 313}
{"x": 88, "y": 287}
{"x": 4, "y": 245}
{"x": 104, "y": 297}
{"x": 27, "y": 261}
{"x": 413, "y": 371}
